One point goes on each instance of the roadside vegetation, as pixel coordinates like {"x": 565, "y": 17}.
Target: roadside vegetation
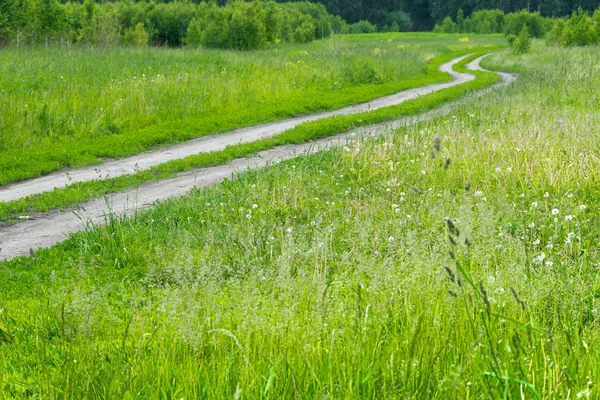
{"x": 87, "y": 105}
{"x": 457, "y": 258}
{"x": 78, "y": 192}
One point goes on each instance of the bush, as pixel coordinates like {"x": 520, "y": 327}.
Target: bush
{"x": 522, "y": 44}
{"x": 579, "y": 30}
{"x": 362, "y": 27}
{"x": 193, "y": 35}
{"x": 136, "y": 37}
{"x": 510, "y": 38}
{"x": 447, "y": 26}
{"x": 514, "y": 23}
{"x": 246, "y": 30}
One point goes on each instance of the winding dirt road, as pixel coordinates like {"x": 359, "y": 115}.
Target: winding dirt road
{"x": 47, "y": 230}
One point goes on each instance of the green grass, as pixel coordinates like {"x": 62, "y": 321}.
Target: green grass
{"x": 79, "y": 192}
{"x": 69, "y": 107}
{"x": 323, "y": 276}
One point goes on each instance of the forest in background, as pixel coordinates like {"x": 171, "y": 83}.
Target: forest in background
{"x": 250, "y": 25}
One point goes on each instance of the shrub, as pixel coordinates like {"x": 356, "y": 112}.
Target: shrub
{"x": 193, "y": 35}
{"x": 362, "y": 27}
{"x": 579, "y": 30}
{"x": 522, "y": 44}
{"x": 514, "y": 23}
{"x": 447, "y": 26}
{"x": 246, "y": 30}
{"x": 305, "y": 32}
{"x": 136, "y": 37}
{"x": 510, "y": 38}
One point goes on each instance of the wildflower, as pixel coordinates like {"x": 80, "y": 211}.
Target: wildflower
{"x": 582, "y": 207}
{"x": 532, "y": 225}
{"x": 498, "y": 169}
{"x": 289, "y": 230}
{"x": 555, "y": 211}
{"x": 549, "y": 263}
{"x": 568, "y": 217}
{"x": 546, "y": 195}
{"x": 537, "y": 241}
{"x": 534, "y": 204}
{"x": 423, "y": 172}
{"x": 255, "y": 206}
{"x": 509, "y": 169}
{"x": 391, "y": 239}
{"x": 538, "y": 259}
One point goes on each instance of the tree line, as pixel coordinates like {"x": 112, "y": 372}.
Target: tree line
{"x": 238, "y": 24}
{"x": 234, "y": 25}
{"x": 424, "y": 14}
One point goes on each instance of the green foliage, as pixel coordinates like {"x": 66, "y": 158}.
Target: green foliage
{"x": 447, "y": 26}
{"x": 100, "y": 24}
{"x": 194, "y": 33}
{"x": 515, "y": 22}
{"x": 495, "y": 21}
{"x": 579, "y": 30}
{"x": 510, "y": 38}
{"x": 362, "y": 27}
{"x": 136, "y": 37}
{"x": 237, "y": 25}
{"x": 522, "y": 44}
{"x": 460, "y": 20}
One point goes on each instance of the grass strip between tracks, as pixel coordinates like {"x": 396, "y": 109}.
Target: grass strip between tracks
{"x": 83, "y": 191}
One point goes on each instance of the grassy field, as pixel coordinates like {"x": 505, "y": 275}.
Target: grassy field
{"x": 68, "y": 107}
{"x": 457, "y": 258}
{"x": 78, "y": 192}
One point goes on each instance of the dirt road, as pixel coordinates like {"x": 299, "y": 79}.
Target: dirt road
{"x": 45, "y": 231}
{"x": 207, "y": 144}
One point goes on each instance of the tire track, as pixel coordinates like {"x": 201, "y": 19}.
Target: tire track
{"x": 47, "y": 230}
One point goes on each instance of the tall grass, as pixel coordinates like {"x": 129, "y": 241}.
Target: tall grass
{"x": 376, "y": 270}
{"x": 66, "y": 107}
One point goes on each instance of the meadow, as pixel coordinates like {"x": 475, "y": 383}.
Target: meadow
{"x": 456, "y": 258}
{"x": 69, "y": 107}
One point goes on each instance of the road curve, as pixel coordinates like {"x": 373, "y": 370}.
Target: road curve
{"x": 206, "y": 144}
{"x": 47, "y": 230}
